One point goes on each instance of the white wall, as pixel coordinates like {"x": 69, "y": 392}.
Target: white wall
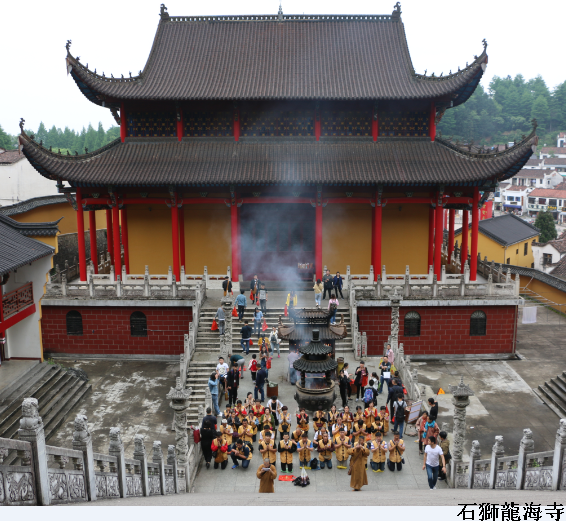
{"x": 20, "y": 181}
{"x": 23, "y": 339}
{"x": 538, "y": 252}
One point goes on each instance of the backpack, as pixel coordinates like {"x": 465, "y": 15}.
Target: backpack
{"x": 250, "y": 446}
{"x": 400, "y": 414}
{"x": 368, "y": 395}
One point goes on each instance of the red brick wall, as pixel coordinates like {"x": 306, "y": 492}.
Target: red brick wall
{"x": 106, "y": 330}
{"x": 444, "y": 330}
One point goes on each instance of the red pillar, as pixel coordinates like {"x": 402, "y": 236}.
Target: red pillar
{"x": 318, "y": 242}
{"x": 124, "y": 219}
{"x": 123, "y": 129}
{"x": 377, "y": 241}
{"x": 431, "y": 215}
{"x": 432, "y": 122}
{"x": 235, "y": 243}
{"x": 451, "y": 214}
{"x": 438, "y": 241}
{"x": 109, "y": 235}
{"x": 180, "y": 129}
{"x": 317, "y": 123}
{"x": 375, "y": 127}
{"x": 475, "y": 228}
{"x": 444, "y": 220}
{"x": 116, "y": 237}
{"x": 236, "y": 124}
{"x": 465, "y": 233}
{"x": 81, "y": 236}
{"x": 175, "y": 240}
{"x": 93, "y": 248}
{"x": 182, "y": 236}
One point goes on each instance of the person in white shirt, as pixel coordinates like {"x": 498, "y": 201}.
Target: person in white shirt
{"x": 431, "y": 462}
{"x": 276, "y": 407}
{"x": 222, "y": 369}
{"x": 333, "y": 308}
{"x": 274, "y": 342}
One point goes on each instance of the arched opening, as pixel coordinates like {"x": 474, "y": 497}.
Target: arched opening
{"x": 138, "y": 324}
{"x": 74, "y": 323}
{"x": 412, "y": 324}
{"x": 478, "y": 323}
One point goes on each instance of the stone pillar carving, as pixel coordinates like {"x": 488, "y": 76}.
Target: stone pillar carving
{"x": 526, "y": 447}
{"x": 158, "y": 458}
{"x": 117, "y": 449}
{"x": 180, "y": 403}
{"x": 475, "y": 455}
{"x": 497, "y": 452}
{"x": 82, "y": 441}
{"x": 558, "y": 472}
{"x": 226, "y": 338}
{"x": 364, "y": 346}
{"x": 140, "y": 454}
{"x": 208, "y": 399}
{"x": 395, "y": 302}
{"x": 172, "y": 460}
{"x": 31, "y": 430}
{"x": 461, "y": 399}
{"x": 146, "y": 291}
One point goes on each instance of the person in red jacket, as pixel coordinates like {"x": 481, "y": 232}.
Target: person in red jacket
{"x": 220, "y": 448}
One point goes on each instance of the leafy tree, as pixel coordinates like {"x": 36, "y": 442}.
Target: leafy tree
{"x": 41, "y": 134}
{"x": 545, "y": 223}
{"x": 100, "y": 136}
{"x": 541, "y": 111}
{"x": 6, "y": 141}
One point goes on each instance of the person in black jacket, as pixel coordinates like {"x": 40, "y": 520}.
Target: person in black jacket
{"x": 207, "y": 434}
{"x": 433, "y": 413}
{"x": 394, "y": 391}
{"x": 232, "y": 384}
{"x": 338, "y": 282}
{"x": 227, "y": 286}
{"x": 344, "y": 384}
{"x": 260, "y": 379}
{"x": 328, "y": 283}
{"x": 209, "y": 418}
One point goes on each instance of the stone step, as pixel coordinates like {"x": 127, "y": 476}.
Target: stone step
{"x": 547, "y": 395}
{"x": 59, "y": 417}
{"x": 558, "y": 390}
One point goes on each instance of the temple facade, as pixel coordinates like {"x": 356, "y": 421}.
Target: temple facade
{"x": 277, "y": 145}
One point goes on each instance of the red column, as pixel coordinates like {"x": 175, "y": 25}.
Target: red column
{"x": 451, "y": 214}
{"x": 432, "y": 122}
{"x": 438, "y": 242}
{"x": 175, "y": 240}
{"x": 431, "y": 215}
{"x": 475, "y": 228}
{"x": 377, "y": 241}
{"x": 109, "y": 235}
{"x": 2, "y": 333}
{"x": 81, "y": 236}
{"x": 93, "y": 248}
{"x": 123, "y": 129}
{"x": 465, "y": 233}
{"x": 317, "y": 123}
{"x": 235, "y": 243}
{"x": 318, "y": 243}
{"x": 124, "y": 219}
{"x": 236, "y": 124}
{"x": 444, "y": 220}
{"x": 116, "y": 237}
{"x": 182, "y": 236}
{"x": 375, "y": 127}
{"x": 180, "y": 129}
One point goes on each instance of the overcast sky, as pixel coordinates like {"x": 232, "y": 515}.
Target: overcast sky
{"x": 116, "y": 36}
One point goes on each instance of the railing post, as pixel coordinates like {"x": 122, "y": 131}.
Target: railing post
{"x": 371, "y": 274}
{"x": 180, "y": 397}
{"x": 526, "y": 447}
{"x": 461, "y": 399}
{"x": 82, "y": 441}
{"x": 496, "y": 452}
{"x": 434, "y": 286}
{"x": 146, "y": 289}
{"x": 31, "y": 430}
{"x": 64, "y": 284}
{"x": 174, "y": 287}
{"x": 124, "y": 274}
{"x": 475, "y": 454}
{"x": 90, "y": 285}
{"x": 117, "y": 449}
{"x": 158, "y": 458}
{"x": 443, "y": 274}
{"x": 118, "y": 286}
{"x": 490, "y": 284}
{"x": 140, "y": 454}
{"x": 559, "y": 446}
{"x": 169, "y": 275}
{"x": 183, "y": 275}
{"x": 172, "y": 460}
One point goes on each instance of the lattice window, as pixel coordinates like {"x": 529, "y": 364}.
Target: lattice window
{"x": 345, "y": 122}
{"x": 412, "y": 324}
{"x": 478, "y": 323}
{"x": 74, "y": 323}
{"x": 404, "y": 124}
{"x": 138, "y": 324}
{"x": 277, "y": 122}
{"x": 151, "y": 124}
{"x": 208, "y": 123}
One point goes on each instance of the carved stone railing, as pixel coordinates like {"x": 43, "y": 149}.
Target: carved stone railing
{"x": 17, "y": 482}
{"x": 66, "y": 480}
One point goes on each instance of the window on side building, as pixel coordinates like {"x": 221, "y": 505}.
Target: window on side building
{"x": 74, "y": 323}
{"x": 138, "y": 324}
{"x": 525, "y": 251}
{"x": 412, "y": 324}
{"x": 478, "y": 322}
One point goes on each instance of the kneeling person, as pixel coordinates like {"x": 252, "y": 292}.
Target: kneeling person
{"x": 341, "y": 446}
{"x": 396, "y": 449}
{"x": 286, "y": 448}
{"x": 325, "y": 450}
{"x": 241, "y": 452}
{"x": 379, "y": 453}
{"x": 305, "y": 447}
{"x": 267, "y": 448}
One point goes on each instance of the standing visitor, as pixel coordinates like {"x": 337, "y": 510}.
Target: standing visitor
{"x": 220, "y": 318}
{"x": 219, "y": 449}
{"x": 333, "y": 308}
{"x": 286, "y": 448}
{"x": 379, "y": 453}
{"x": 241, "y": 303}
{"x": 266, "y": 475}
{"x": 385, "y": 367}
{"x": 227, "y": 286}
{"x": 399, "y": 414}
{"x": 291, "y": 301}
{"x": 431, "y": 462}
{"x": 420, "y": 426}
{"x": 390, "y": 355}
{"x": 252, "y": 367}
{"x": 258, "y": 316}
{"x": 350, "y": 380}
{"x": 275, "y": 342}
{"x": 263, "y": 355}
{"x": 341, "y": 447}
{"x": 292, "y": 357}
{"x": 433, "y": 413}
{"x": 338, "y": 283}
{"x": 238, "y": 361}
{"x": 246, "y": 333}
{"x": 328, "y": 282}
{"x": 207, "y": 435}
{"x": 360, "y": 380}
{"x": 232, "y": 384}
{"x": 430, "y": 430}
{"x": 396, "y": 450}
{"x": 263, "y": 298}
{"x": 213, "y": 387}
{"x": 259, "y": 384}
{"x": 394, "y": 391}
{"x": 222, "y": 369}
{"x": 209, "y": 418}
{"x": 254, "y": 288}
{"x": 344, "y": 385}
{"x": 369, "y": 395}
{"x": 318, "y": 289}
{"x": 358, "y": 464}
{"x": 445, "y": 446}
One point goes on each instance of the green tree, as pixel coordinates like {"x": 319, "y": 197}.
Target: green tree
{"x": 90, "y": 139}
{"x": 6, "y": 141}
{"x": 541, "y": 111}
{"x": 100, "y": 136}
{"x": 41, "y": 134}
{"x": 545, "y": 223}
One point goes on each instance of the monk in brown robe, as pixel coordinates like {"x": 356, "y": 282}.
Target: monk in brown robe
{"x": 359, "y": 457}
{"x": 266, "y": 475}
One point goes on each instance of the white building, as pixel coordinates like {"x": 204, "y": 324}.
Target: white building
{"x": 537, "y": 178}
{"x": 547, "y": 255}
{"x": 558, "y": 151}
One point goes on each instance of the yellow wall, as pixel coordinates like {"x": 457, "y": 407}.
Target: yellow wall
{"x": 546, "y": 291}
{"x": 207, "y": 238}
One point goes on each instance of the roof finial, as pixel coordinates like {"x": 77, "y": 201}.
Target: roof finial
{"x": 68, "y": 46}
{"x": 484, "y": 41}
{"x": 280, "y": 12}
{"x": 22, "y": 121}
{"x": 163, "y": 13}
{"x": 397, "y": 11}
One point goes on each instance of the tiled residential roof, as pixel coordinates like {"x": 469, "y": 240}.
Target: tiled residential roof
{"x": 506, "y": 229}
{"x": 535, "y": 161}
{"x": 10, "y": 157}
{"x": 16, "y": 250}
{"x": 30, "y": 204}
{"x": 560, "y": 269}
{"x": 222, "y": 161}
{"x": 534, "y": 173}
{"x": 47, "y": 229}
{"x": 325, "y": 57}
{"x": 516, "y": 188}
{"x": 554, "y": 161}
{"x": 548, "y": 192}
{"x": 553, "y": 150}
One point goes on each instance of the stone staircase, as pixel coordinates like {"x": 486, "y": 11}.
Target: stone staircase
{"x": 197, "y": 378}
{"x": 57, "y": 392}
{"x": 553, "y": 393}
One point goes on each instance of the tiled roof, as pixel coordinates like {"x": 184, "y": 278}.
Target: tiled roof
{"x": 515, "y": 188}
{"x": 506, "y": 229}
{"x": 535, "y": 161}
{"x": 548, "y": 192}
{"x": 264, "y": 57}
{"x": 560, "y": 269}
{"x": 30, "y": 204}
{"x": 47, "y": 229}
{"x": 555, "y": 161}
{"x": 222, "y": 161}
{"x": 16, "y": 250}
{"x": 553, "y": 150}
{"x": 560, "y": 186}
{"x": 10, "y": 157}
{"x": 534, "y": 173}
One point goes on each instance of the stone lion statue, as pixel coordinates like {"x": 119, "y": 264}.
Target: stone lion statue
{"x": 115, "y": 439}
{"x": 30, "y": 414}
{"x": 81, "y": 432}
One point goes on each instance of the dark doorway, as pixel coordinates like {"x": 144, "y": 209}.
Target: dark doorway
{"x": 277, "y": 241}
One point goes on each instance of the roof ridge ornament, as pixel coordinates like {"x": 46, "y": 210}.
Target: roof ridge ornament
{"x": 280, "y": 13}
{"x": 396, "y": 15}
{"x": 163, "y": 13}
{"x": 68, "y": 46}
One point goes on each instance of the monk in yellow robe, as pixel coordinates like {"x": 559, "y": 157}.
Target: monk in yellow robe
{"x": 359, "y": 457}
{"x": 266, "y": 475}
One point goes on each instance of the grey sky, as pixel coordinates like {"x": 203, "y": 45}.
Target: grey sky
{"x": 116, "y": 37}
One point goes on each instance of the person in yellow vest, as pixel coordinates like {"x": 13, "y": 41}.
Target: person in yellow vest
{"x": 241, "y": 410}
{"x": 227, "y": 412}
{"x": 370, "y": 414}
{"x": 325, "y": 448}
{"x": 348, "y": 419}
{"x": 337, "y": 426}
{"x": 258, "y": 409}
{"x": 296, "y": 434}
{"x": 241, "y": 452}
{"x": 226, "y": 431}
{"x": 384, "y": 419}
{"x": 359, "y": 415}
{"x": 291, "y": 300}
{"x": 235, "y": 424}
{"x": 378, "y": 426}
{"x": 304, "y": 448}
{"x": 358, "y": 429}
{"x": 266, "y": 475}
{"x": 396, "y": 450}
{"x": 341, "y": 446}
{"x": 379, "y": 451}
{"x": 286, "y": 448}
{"x": 319, "y": 419}
{"x": 220, "y": 447}
{"x": 245, "y": 431}
{"x": 285, "y": 421}
{"x": 268, "y": 449}
{"x": 303, "y": 420}
{"x": 332, "y": 416}
{"x": 358, "y": 463}
{"x": 253, "y": 423}
{"x": 268, "y": 420}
